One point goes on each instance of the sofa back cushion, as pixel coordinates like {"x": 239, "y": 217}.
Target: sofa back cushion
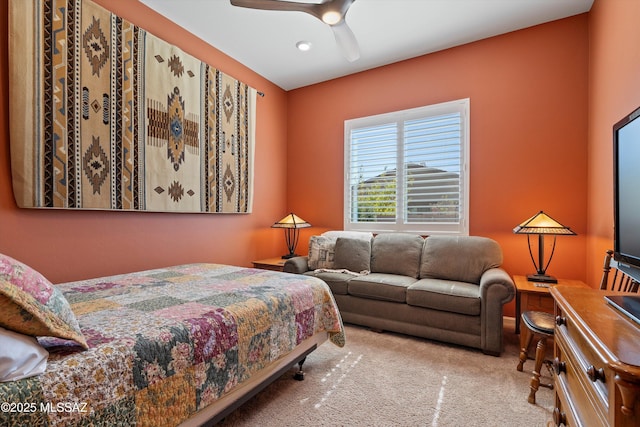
{"x": 352, "y": 254}
{"x": 461, "y": 258}
{"x": 396, "y": 253}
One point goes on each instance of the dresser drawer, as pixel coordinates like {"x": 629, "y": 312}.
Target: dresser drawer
{"x": 586, "y": 359}
{"x": 565, "y": 412}
{"x": 588, "y": 405}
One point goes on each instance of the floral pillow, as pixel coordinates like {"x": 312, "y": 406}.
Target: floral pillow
{"x": 31, "y": 305}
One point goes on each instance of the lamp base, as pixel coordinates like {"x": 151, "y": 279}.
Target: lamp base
{"x": 287, "y": 256}
{"x": 543, "y": 278}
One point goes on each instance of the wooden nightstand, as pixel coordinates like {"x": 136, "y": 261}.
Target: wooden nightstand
{"x": 275, "y": 264}
{"x": 531, "y": 296}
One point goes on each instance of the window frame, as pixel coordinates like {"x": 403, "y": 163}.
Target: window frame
{"x": 461, "y": 228}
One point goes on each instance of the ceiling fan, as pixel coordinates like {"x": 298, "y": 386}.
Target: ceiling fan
{"x": 331, "y": 12}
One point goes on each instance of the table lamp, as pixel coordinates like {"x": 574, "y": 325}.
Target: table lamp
{"x": 291, "y": 223}
{"x": 542, "y": 224}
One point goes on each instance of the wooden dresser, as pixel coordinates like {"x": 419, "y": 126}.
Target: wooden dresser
{"x": 597, "y": 361}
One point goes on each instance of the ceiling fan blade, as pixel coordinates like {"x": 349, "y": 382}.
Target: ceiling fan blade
{"x": 275, "y": 5}
{"x": 346, "y": 40}
{"x": 316, "y": 9}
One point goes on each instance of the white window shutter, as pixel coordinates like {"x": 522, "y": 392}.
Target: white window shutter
{"x": 429, "y": 146}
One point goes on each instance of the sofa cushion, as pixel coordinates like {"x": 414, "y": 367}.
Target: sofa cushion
{"x": 352, "y": 254}
{"x": 381, "y": 286}
{"x": 445, "y": 295}
{"x": 337, "y": 281}
{"x": 321, "y": 252}
{"x": 462, "y": 258}
{"x": 396, "y": 253}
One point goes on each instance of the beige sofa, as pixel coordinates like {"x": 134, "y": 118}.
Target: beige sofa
{"x": 444, "y": 288}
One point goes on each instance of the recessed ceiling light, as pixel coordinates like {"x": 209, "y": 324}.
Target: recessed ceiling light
{"x": 303, "y": 45}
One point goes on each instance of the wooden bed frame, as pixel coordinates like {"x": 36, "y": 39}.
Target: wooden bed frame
{"x": 217, "y": 411}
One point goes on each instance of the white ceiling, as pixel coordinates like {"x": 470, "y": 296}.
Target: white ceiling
{"x": 387, "y": 31}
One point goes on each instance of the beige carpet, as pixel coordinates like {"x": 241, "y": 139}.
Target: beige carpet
{"x": 386, "y": 379}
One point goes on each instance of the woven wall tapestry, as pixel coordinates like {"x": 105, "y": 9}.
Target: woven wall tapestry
{"x": 105, "y": 115}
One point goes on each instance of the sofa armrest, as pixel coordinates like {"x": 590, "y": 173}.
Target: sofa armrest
{"x": 496, "y": 289}
{"x": 298, "y": 265}
{"x": 505, "y": 289}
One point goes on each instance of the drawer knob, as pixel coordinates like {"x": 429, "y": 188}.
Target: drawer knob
{"x": 559, "y": 417}
{"x": 561, "y": 320}
{"x": 559, "y": 366}
{"x": 595, "y": 374}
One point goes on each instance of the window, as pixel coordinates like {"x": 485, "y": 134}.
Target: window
{"x": 429, "y": 146}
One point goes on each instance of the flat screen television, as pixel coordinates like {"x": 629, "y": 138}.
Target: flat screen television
{"x": 626, "y": 195}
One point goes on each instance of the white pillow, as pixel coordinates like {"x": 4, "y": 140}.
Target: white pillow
{"x": 21, "y": 356}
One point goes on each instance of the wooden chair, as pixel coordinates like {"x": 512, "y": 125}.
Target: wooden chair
{"x": 614, "y": 279}
{"x": 535, "y": 324}
{"x": 541, "y": 325}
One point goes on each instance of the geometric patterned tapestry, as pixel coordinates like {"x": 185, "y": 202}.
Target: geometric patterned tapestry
{"x": 105, "y": 115}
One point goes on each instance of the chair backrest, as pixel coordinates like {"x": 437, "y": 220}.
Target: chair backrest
{"x": 614, "y": 279}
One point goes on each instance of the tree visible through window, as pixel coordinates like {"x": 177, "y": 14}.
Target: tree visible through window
{"x": 429, "y": 147}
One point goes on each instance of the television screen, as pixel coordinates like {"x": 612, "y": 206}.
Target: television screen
{"x": 626, "y": 157}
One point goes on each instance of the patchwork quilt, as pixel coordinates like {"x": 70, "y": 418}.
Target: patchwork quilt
{"x": 165, "y": 343}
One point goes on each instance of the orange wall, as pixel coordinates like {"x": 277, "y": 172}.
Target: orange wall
{"x": 556, "y": 88}
{"x": 528, "y": 92}
{"x": 614, "y": 91}
{"x": 71, "y": 245}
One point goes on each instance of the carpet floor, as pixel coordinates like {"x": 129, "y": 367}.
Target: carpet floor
{"x": 387, "y": 379}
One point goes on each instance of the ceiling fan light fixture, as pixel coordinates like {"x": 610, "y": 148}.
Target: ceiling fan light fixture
{"x": 331, "y": 17}
{"x": 330, "y": 12}
{"x": 303, "y": 45}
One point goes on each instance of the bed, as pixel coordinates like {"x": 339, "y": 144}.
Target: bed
{"x": 182, "y": 345}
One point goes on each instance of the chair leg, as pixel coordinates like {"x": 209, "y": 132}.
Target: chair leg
{"x": 541, "y": 350}
{"x": 525, "y": 341}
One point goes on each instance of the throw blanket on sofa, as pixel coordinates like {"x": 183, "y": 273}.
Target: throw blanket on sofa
{"x": 165, "y": 343}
